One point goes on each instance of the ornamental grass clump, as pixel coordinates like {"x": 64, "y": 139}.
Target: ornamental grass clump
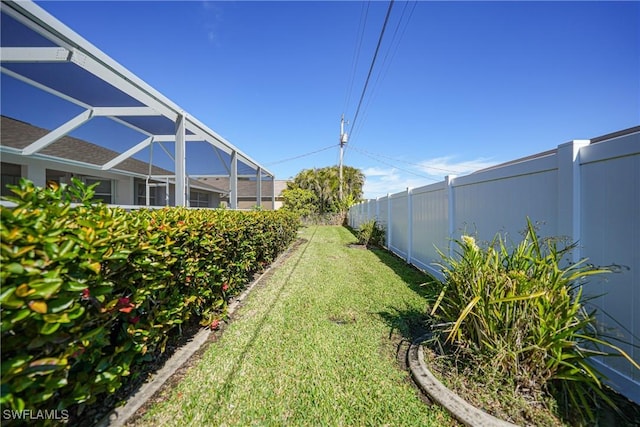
{"x": 525, "y": 311}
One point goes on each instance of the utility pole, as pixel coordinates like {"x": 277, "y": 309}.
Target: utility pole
{"x": 343, "y": 142}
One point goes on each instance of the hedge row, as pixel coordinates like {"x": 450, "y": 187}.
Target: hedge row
{"x": 90, "y": 292}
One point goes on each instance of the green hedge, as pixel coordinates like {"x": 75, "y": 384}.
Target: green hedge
{"x": 89, "y": 292}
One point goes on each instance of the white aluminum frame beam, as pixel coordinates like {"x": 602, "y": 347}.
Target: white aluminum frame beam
{"x": 44, "y": 88}
{"x": 124, "y": 111}
{"x": 181, "y": 162}
{"x": 57, "y": 133}
{"x": 233, "y": 181}
{"x": 69, "y": 162}
{"x": 172, "y": 138}
{"x": 171, "y": 156}
{"x": 130, "y": 152}
{"x": 222, "y": 161}
{"x": 34, "y": 54}
{"x": 259, "y": 185}
{"x": 71, "y": 47}
{"x": 226, "y": 146}
{"x": 27, "y": 15}
{"x": 116, "y": 80}
{"x": 204, "y": 176}
{"x": 273, "y": 192}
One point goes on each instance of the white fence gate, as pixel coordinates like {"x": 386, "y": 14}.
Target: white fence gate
{"x": 586, "y": 191}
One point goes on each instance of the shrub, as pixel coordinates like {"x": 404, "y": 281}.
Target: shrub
{"x": 300, "y": 201}
{"x": 369, "y": 233}
{"x": 88, "y": 292}
{"x": 526, "y": 313}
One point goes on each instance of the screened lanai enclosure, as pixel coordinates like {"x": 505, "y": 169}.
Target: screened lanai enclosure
{"x": 69, "y": 110}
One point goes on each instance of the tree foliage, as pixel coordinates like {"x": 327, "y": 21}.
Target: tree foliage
{"x": 299, "y": 201}
{"x": 324, "y": 184}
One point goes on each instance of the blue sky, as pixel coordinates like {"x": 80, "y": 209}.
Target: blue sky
{"x": 463, "y": 85}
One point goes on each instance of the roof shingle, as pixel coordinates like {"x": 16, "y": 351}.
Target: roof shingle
{"x": 18, "y": 134}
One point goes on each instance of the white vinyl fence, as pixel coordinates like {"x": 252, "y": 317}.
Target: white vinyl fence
{"x": 586, "y": 191}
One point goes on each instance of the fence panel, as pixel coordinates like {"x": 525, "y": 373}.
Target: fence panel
{"x": 610, "y": 235}
{"x": 399, "y": 224}
{"x": 371, "y": 210}
{"x": 499, "y": 201}
{"x": 585, "y": 192}
{"x": 355, "y": 218}
{"x": 383, "y": 214}
{"x": 429, "y": 214}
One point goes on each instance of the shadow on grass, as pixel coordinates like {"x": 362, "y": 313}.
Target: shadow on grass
{"x": 229, "y": 379}
{"x": 410, "y": 324}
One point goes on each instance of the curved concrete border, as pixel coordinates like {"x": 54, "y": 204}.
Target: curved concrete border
{"x": 120, "y": 415}
{"x": 462, "y": 410}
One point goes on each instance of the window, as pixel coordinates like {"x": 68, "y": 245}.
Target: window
{"x": 11, "y": 174}
{"x": 103, "y": 190}
{"x": 59, "y": 177}
{"x": 198, "y": 199}
{"x": 141, "y": 194}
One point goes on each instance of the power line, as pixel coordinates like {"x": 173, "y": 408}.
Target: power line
{"x": 396, "y": 167}
{"x": 301, "y": 155}
{"x": 384, "y": 68}
{"x": 369, "y": 154}
{"x": 356, "y": 52}
{"x": 373, "y": 61}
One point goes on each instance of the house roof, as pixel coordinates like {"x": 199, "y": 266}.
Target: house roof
{"x": 18, "y": 134}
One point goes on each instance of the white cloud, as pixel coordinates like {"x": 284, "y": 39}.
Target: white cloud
{"x": 382, "y": 181}
{"x": 379, "y": 182}
{"x": 378, "y": 172}
{"x": 442, "y": 166}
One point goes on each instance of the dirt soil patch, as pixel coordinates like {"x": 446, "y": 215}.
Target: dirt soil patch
{"x": 486, "y": 389}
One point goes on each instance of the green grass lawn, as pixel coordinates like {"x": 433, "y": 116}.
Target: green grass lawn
{"x": 314, "y": 344}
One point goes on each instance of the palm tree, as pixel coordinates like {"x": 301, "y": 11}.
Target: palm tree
{"x": 353, "y": 182}
{"x": 325, "y": 184}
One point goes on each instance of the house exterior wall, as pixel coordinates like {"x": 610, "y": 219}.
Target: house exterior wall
{"x": 124, "y": 188}
{"x": 248, "y": 194}
{"x": 585, "y": 192}
{"x": 35, "y": 169}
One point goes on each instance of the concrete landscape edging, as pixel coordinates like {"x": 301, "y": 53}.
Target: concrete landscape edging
{"x": 463, "y": 411}
{"x": 119, "y": 416}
